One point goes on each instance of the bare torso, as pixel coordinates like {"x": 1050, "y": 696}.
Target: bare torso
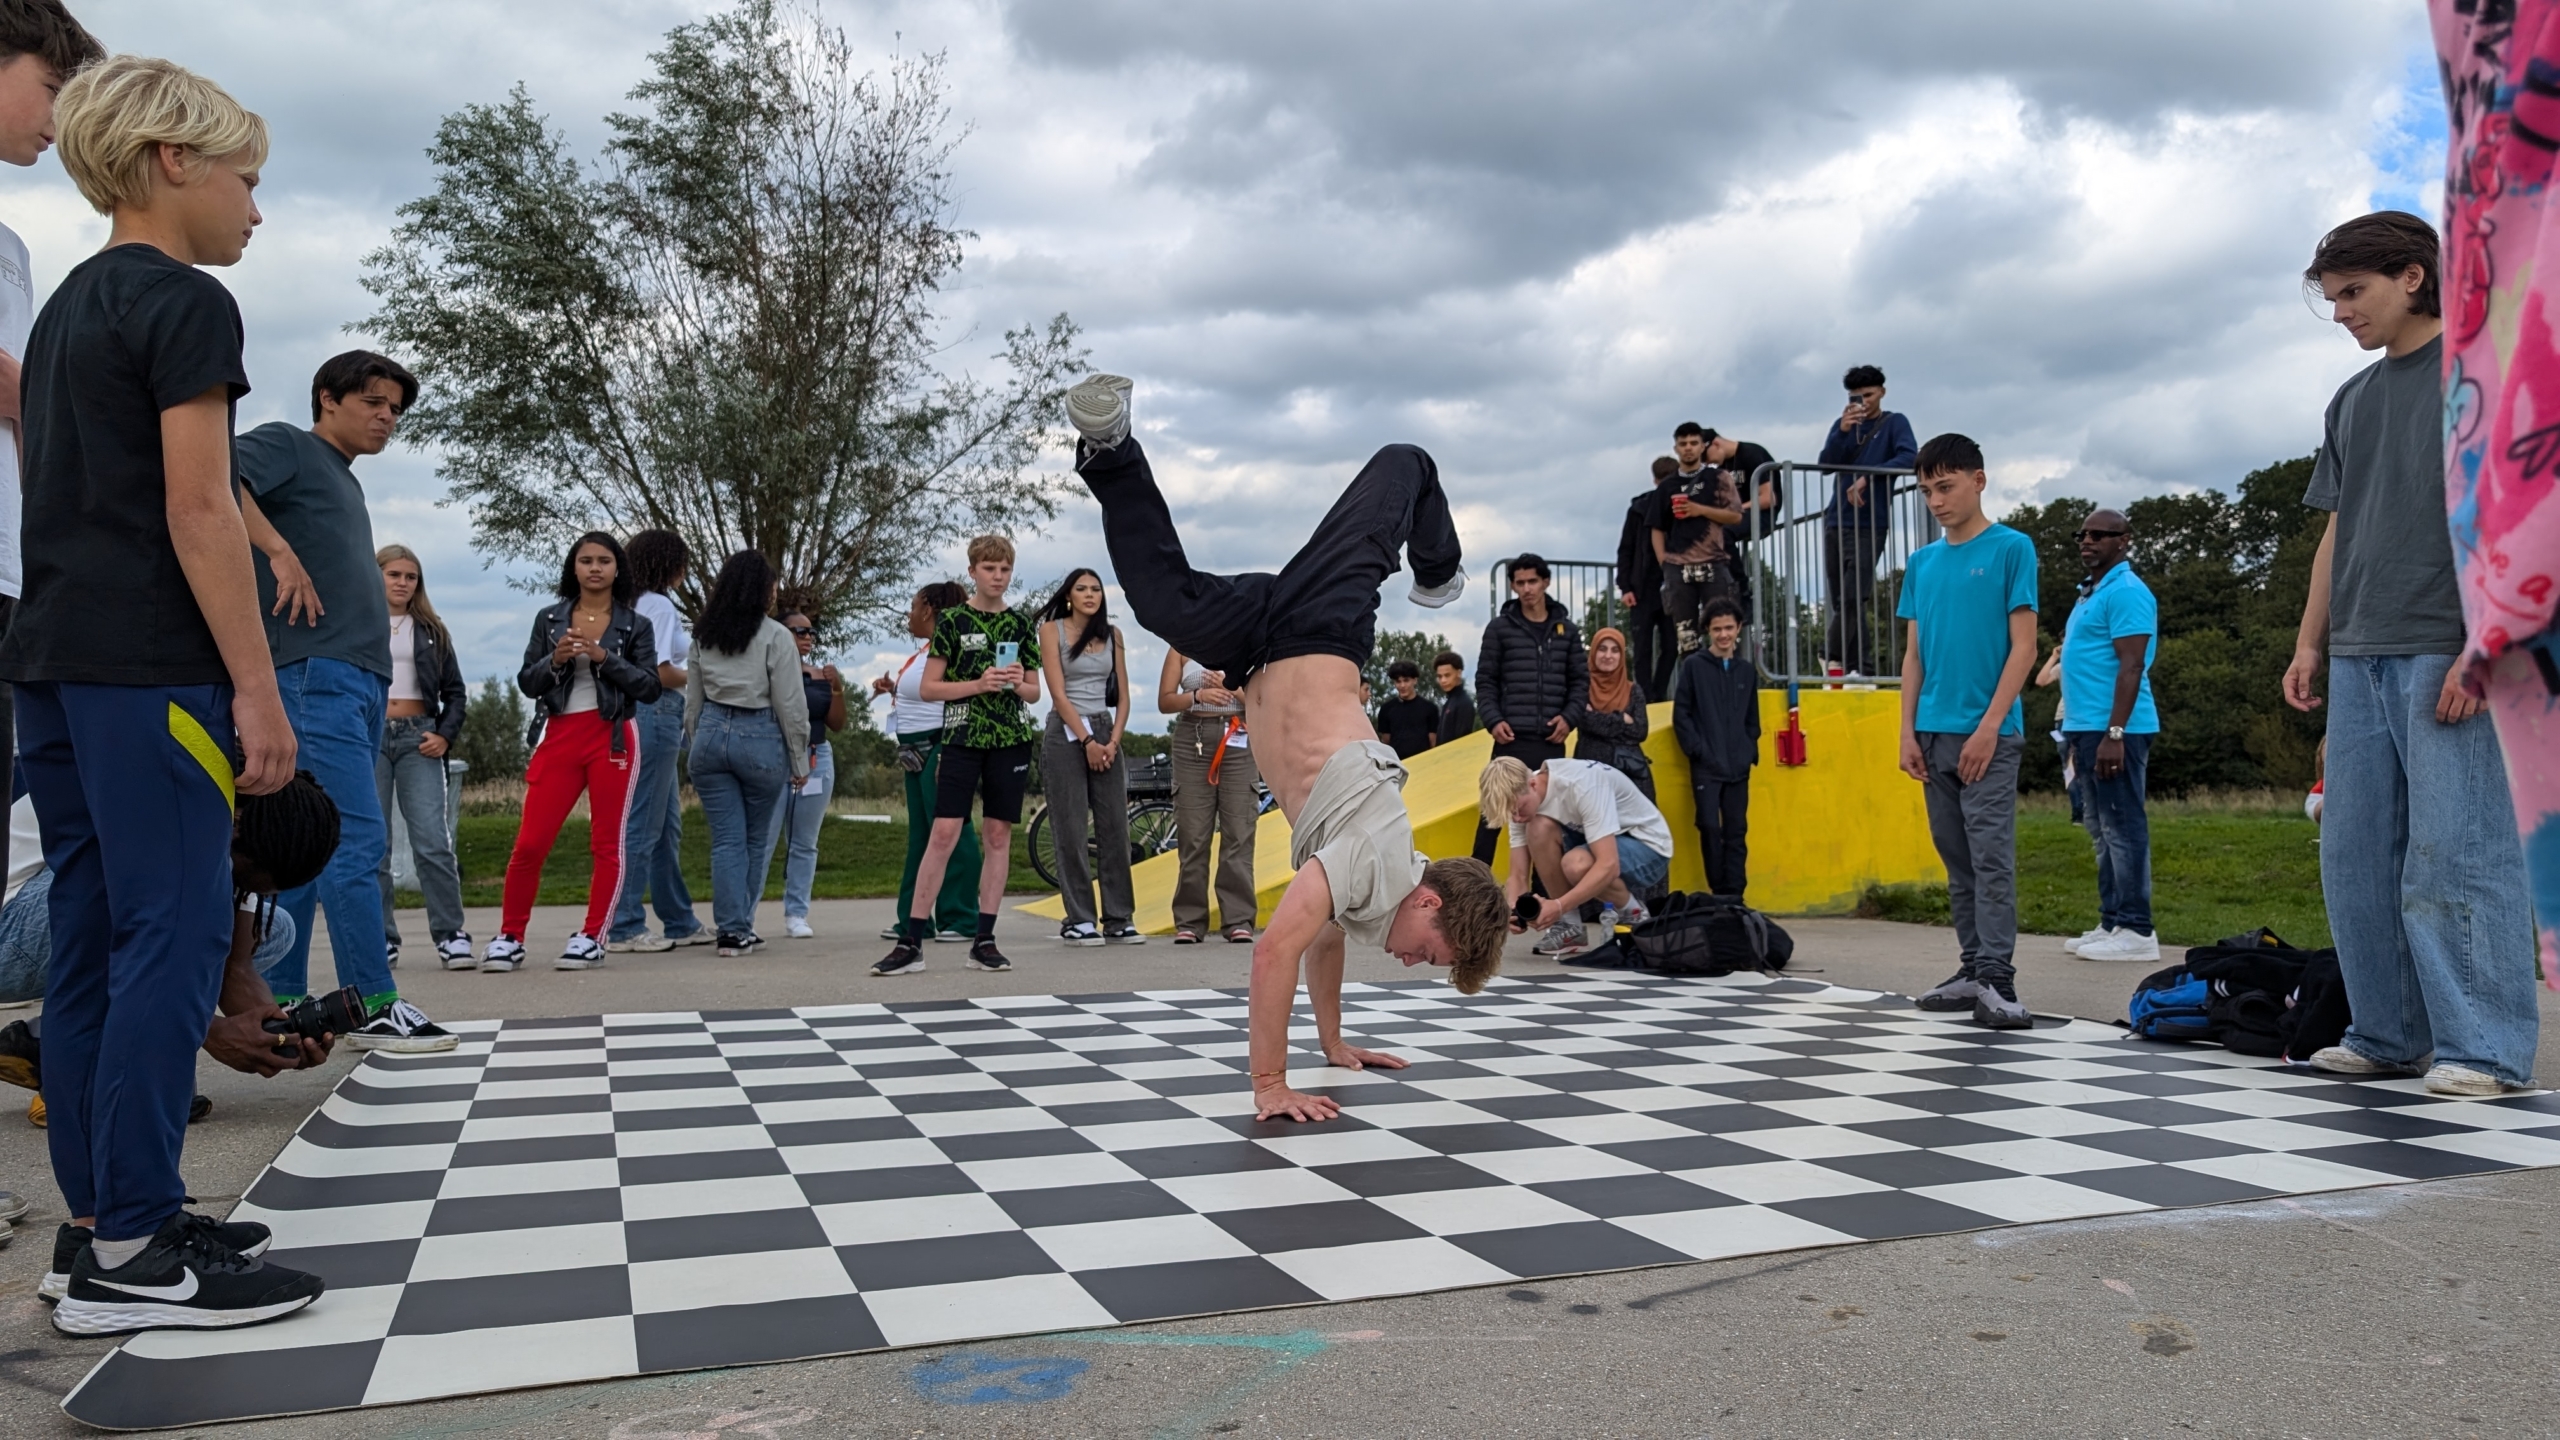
{"x": 1303, "y": 709}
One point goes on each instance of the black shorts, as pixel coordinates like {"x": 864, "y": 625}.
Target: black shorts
{"x": 1001, "y": 776}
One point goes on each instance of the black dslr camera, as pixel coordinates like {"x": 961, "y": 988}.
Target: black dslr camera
{"x": 340, "y": 1012}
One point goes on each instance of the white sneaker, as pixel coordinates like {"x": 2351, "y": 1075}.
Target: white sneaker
{"x": 2122, "y": 945}
{"x": 1434, "y": 596}
{"x": 2463, "y": 1080}
{"x": 1634, "y": 913}
{"x": 1098, "y": 406}
{"x": 2086, "y": 937}
{"x": 643, "y": 943}
{"x": 455, "y": 951}
{"x": 581, "y": 953}
{"x": 1565, "y": 937}
{"x": 797, "y": 928}
{"x": 2339, "y": 1060}
{"x": 505, "y": 953}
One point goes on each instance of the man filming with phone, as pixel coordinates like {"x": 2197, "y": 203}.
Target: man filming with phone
{"x": 1859, "y": 519}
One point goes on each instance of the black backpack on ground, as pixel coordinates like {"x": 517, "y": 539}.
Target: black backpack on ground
{"x": 2252, "y": 994}
{"x": 1691, "y": 933}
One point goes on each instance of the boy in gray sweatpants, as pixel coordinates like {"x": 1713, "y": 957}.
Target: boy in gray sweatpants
{"x": 1969, "y": 599}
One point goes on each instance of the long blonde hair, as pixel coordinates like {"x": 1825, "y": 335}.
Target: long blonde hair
{"x": 419, "y": 608}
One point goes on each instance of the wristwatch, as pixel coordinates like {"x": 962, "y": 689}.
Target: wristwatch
{"x": 2115, "y": 732}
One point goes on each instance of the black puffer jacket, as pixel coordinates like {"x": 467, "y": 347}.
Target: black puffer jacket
{"x": 1527, "y": 675}
{"x": 626, "y": 678}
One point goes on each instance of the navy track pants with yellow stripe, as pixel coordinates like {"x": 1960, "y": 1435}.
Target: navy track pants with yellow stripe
{"x": 132, "y": 788}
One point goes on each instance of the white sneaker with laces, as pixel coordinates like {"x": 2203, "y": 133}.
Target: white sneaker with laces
{"x": 505, "y": 953}
{"x": 2339, "y": 1060}
{"x": 581, "y": 953}
{"x": 455, "y": 952}
{"x": 1633, "y": 913}
{"x": 1565, "y": 937}
{"x": 2086, "y": 937}
{"x": 1098, "y": 406}
{"x": 797, "y": 928}
{"x": 643, "y": 943}
{"x": 2126, "y": 944}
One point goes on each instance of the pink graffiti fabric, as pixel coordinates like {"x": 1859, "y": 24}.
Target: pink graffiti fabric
{"x": 2501, "y": 68}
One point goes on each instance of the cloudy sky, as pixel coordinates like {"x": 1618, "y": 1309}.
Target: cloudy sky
{"x": 1528, "y": 237}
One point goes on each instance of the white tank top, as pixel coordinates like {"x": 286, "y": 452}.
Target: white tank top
{"x": 404, "y": 659}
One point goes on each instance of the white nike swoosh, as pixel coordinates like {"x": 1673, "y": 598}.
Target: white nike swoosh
{"x": 184, "y": 1291}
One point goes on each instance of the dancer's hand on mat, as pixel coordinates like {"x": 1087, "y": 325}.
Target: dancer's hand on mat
{"x": 1352, "y": 1057}
{"x": 1502, "y": 734}
{"x": 1914, "y": 764}
{"x": 1279, "y": 1102}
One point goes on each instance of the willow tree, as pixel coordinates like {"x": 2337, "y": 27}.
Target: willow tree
{"x": 722, "y": 326}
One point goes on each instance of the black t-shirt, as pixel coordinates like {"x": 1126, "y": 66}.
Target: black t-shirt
{"x": 1745, "y": 462}
{"x": 129, "y": 333}
{"x": 1408, "y": 725}
{"x": 1696, "y": 538}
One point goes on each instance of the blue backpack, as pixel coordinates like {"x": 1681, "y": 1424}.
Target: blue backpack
{"x": 2173, "y": 1004}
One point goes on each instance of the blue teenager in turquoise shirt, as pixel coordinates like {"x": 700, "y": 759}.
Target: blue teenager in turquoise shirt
{"x": 1961, "y": 595}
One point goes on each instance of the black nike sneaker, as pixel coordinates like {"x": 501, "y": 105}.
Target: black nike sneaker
{"x": 185, "y": 1279}
{"x": 248, "y": 1237}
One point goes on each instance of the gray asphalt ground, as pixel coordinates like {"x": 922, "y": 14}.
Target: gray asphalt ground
{"x": 2421, "y": 1309}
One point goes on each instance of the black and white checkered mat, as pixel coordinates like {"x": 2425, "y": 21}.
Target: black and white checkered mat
{"x": 579, "y": 1199}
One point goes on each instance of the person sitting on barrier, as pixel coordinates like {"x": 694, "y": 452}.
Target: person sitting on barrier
{"x": 1585, "y": 830}
{"x": 1302, "y": 636}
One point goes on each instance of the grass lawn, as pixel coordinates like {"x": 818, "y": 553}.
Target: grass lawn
{"x": 2216, "y": 869}
{"x": 856, "y": 858}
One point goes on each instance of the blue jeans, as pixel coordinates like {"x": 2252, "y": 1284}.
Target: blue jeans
{"x": 133, "y": 797}
{"x": 740, "y": 771}
{"x": 26, "y": 940}
{"x": 803, "y": 816}
{"x": 418, "y": 781}
{"x": 2424, "y": 875}
{"x": 653, "y": 833}
{"x": 2119, "y": 827}
{"x": 336, "y": 710}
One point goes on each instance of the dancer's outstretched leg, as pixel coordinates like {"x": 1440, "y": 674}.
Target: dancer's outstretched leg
{"x": 1325, "y": 600}
{"x": 1217, "y": 620}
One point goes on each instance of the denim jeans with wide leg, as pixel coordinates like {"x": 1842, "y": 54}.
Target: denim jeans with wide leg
{"x": 803, "y": 817}
{"x": 418, "y": 781}
{"x": 652, "y": 861}
{"x": 740, "y": 771}
{"x": 337, "y": 715}
{"x": 2119, "y": 827}
{"x": 2424, "y": 875}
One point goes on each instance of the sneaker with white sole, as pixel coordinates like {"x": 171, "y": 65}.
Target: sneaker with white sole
{"x": 583, "y": 952}
{"x": 455, "y": 951}
{"x": 1565, "y": 937}
{"x": 695, "y": 936}
{"x": 1432, "y": 597}
{"x": 1124, "y": 935}
{"x": 403, "y": 1029}
{"x": 2124, "y": 944}
{"x": 1633, "y": 913}
{"x": 1098, "y": 406}
{"x": 2339, "y": 1060}
{"x": 985, "y": 956}
{"x": 2072, "y": 945}
{"x": 505, "y": 953}
{"x": 955, "y": 937}
{"x": 797, "y": 927}
{"x": 391, "y": 954}
{"x": 903, "y": 959}
{"x": 893, "y": 932}
{"x": 185, "y": 1279}
{"x": 643, "y": 943}
{"x": 1081, "y": 933}
{"x": 2450, "y": 1079}
{"x": 746, "y": 944}
{"x": 70, "y": 1242}
{"x": 1956, "y": 992}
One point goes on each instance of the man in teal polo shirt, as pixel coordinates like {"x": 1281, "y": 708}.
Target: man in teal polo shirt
{"x": 2107, "y": 649}
{"x": 1969, "y": 598}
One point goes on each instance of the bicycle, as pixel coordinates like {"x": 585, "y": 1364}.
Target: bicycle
{"x": 1151, "y": 824}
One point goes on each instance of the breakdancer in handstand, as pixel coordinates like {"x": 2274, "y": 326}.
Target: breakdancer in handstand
{"x": 1302, "y": 636}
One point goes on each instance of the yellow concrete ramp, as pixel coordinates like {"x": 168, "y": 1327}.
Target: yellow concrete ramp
{"x": 1819, "y": 833}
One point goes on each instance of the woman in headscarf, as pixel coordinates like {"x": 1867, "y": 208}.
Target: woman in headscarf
{"x": 1614, "y": 727}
